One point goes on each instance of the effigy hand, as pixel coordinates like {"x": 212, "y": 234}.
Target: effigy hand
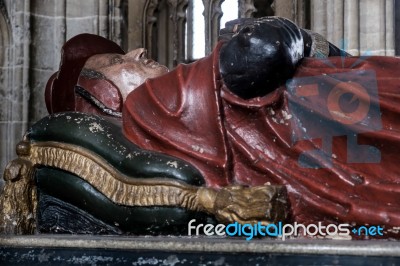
{"x": 266, "y": 204}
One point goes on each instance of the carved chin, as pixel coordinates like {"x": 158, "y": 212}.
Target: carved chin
{"x": 160, "y": 69}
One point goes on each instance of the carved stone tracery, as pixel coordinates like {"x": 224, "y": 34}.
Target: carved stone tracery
{"x": 246, "y": 8}
{"x": 149, "y": 20}
{"x": 178, "y": 17}
{"x": 212, "y": 16}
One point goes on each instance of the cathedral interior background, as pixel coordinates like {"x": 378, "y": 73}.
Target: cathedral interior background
{"x": 32, "y": 33}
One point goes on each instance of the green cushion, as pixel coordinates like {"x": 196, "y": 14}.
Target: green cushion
{"x": 85, "y": 202}
{"x": 105, "y": 138}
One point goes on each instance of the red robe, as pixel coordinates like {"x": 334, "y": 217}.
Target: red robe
{"x": 190, "y": 114}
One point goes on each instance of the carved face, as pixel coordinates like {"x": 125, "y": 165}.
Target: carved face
{"x": 126, "y": 71}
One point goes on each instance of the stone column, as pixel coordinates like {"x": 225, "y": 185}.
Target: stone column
{"x": 390, "y": 28}
{"x": 295, "y": 10}
{"x": 319, "y": 16}
{"x": 83, "y": 16}
{"x": 53, "y": 23}
{"x": 14, "y": 66}
{"x": 48, "y": 27}
{"x": 285, "y": 8}
{"x": 372, "y": 27}
{"x": 212, "y": 16}
{"x": 363, "y": 26}
{"x": 138, "y": 19}
{"x": 334, "y": 21}
{"x": 351, "y": 20}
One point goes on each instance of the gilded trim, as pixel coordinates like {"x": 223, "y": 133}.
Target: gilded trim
{"x": 119, "y": 188}
{"x": 18, "y": 201}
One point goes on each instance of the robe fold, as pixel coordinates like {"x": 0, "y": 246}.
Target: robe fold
{"x": 331, "y": 134}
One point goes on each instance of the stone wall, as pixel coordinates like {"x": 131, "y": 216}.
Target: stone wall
{"x": 362, "y": 27}
{"x": 52, "y": 23}
{"x": 32, "y": 33}
{"x": 14, "y": 77}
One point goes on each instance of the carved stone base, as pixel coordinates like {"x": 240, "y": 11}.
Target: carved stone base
{"x": 18, "y": 199}
{"x": 167, "y": 250}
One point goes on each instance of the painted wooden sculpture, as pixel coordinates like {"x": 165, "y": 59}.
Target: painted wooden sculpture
{"x": 276, "y": 124}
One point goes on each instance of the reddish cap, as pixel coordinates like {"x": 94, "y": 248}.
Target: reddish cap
{"x": 59, "y": 94}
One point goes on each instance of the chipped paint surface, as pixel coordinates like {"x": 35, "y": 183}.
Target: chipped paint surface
{"x": 95, "y": 127}
{"x": 197, "y": 148}
{"x": 173, "y": 164}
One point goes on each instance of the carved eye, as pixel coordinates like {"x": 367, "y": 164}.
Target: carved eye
{"x": 143, "y": 54}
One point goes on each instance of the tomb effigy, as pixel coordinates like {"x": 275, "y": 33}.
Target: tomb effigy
{"x": 275, "y": 125}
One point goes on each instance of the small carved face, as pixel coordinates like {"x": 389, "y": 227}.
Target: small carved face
{"x": 126, "y": 71}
